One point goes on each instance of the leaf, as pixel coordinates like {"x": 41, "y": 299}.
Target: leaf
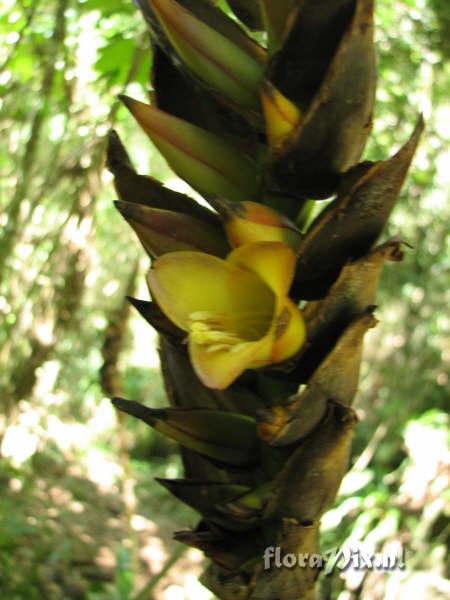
{"x": 161, "y": 231}
{"x": 338, "y": 117}
{"x": 352, "y": 293}
{"x": 309, "y": 481}
{"x": 298, "y": 69}
{"x": 203, "y": 496}
{"x": 249, "y": 503}
{"x": 335, "y": 379}
{"x": 184, "y": 389}
{"x": 278, "y": 17}
{"x": 181, "y": 95}
{"x": 115, "y": 58}
{"x": 207, "y": 162}
{"x": 212, "y": 16}
{"x": 349, "y": 226}
{"x": 141, "y": 189}
{"x": 221, "y": 547}
{"x": 112, "y": 7}
{"x": 233, "y": 69}
{"x": 204, "y": 431}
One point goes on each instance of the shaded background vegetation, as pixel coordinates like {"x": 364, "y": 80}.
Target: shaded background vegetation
{"x": 80, "y": 516}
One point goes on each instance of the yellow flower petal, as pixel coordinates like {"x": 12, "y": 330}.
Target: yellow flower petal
{"x": 187, "y": 285}
{"x": 218, "y": 367}
{"x": 273, "y": 262}
{"x": 289, "y": 331}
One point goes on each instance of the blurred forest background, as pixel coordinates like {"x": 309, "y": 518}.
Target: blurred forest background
{"x": 80, "y": 515}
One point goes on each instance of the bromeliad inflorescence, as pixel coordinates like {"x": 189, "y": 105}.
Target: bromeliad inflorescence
{"x": 262, "y": 133}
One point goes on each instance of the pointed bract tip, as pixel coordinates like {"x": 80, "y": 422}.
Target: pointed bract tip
{"x": 135, "y": 409}
{"x": 119, "y": 403}
{"x": 120, "y": 205}
{"x": 228, "y": 209}
{"x": 278, "y": 19}
{"x": 117, "y": 157}
{"x": 209, "y": 163}
{"x": 128, "y": 210}
{"x": 127, "y": 100}
{"x": 113, "y": 137}
{"x": 136, "y": 302}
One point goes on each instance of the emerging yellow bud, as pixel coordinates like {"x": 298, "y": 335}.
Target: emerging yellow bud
{"x": 247, "y": 222}
{"x": 283, "y": 117}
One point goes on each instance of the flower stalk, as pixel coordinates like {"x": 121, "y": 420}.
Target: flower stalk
{"x": 261, "y": 319}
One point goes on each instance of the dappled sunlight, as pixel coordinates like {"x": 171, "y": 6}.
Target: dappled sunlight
{"x": 140, "y": 523}
{"x": 145, "y": 353}
{"x": 77, "y": 494}
{"x": 67, "y": 436}
{"x": 19, "y": 444}
{"x": 21, "y": 440}
{"x": 427, "y": 477}
{"x": 105, "y": 473}
{"x": 421, "y": 482}
{"x": 153, "y": 554}
{"x": 186, "y": 573}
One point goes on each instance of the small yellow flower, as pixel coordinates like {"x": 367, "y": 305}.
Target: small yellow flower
{"x": 236, "y": 311}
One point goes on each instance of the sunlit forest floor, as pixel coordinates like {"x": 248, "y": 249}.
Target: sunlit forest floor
{"x": 81, "y": 516}
{"x": 78, "y": 519}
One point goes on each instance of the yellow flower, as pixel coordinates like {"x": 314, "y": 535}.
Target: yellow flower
{"x": 236, "y": 311}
